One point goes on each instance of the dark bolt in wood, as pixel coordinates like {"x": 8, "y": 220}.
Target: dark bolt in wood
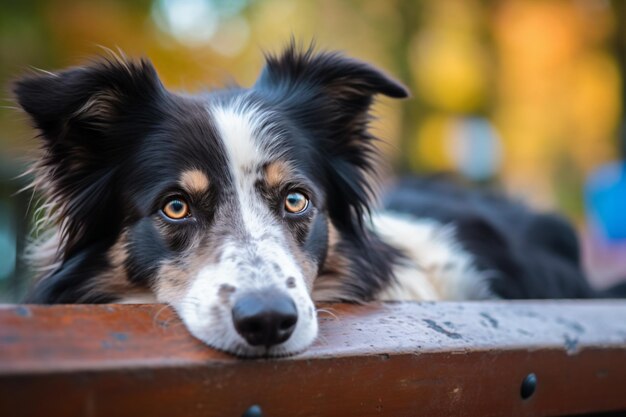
{"x": 529, "y": 385}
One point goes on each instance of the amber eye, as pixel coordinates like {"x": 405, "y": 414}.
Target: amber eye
{"x": 296, "y": 202}
{"x": 176, "y": 208}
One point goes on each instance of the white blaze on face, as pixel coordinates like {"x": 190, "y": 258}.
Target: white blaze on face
{"x": 254, "y": 257}
{"x": 237, "y": 129}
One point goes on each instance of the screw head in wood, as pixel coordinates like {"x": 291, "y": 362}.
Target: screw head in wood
{"x": 529, "y": 385}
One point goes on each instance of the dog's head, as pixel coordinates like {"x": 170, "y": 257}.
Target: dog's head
{"x": 220, "y": 204}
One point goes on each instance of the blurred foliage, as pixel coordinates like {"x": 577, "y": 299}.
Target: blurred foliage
{"x": 538, "y": 85}
{"x": 545, "y": 74}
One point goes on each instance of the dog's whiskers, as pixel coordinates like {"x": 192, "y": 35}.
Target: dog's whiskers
{"x": 158, "y": 313}
{"x": 327, "y": 311}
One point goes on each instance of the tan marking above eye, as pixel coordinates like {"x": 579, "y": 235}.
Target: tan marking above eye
{"x": 276, "y": 173}
{"x": 296, "y": 202}
{"x": 194, "y": 181}
{"x": 176, "y": 208}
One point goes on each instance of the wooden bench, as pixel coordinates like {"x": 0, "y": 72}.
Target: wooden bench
{"x": 527, "y": 358}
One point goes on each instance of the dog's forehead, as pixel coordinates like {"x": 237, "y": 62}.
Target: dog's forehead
{"x": 238, "y": 132}
{"x": 251, "y": 134}
{"x": 238, "y": 129}
{"x": 197, "y": 136}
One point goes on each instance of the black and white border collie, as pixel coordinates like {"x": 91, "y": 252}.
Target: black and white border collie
{"x": 241, "y": 207}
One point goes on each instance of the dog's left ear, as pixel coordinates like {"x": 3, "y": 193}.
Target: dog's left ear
{"x": 328, "y": 76}
{"x": 331, "y": 73}
{"x": 329, "y": 97}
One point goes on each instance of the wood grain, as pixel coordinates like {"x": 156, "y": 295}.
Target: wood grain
{"x": 399, "y": 359}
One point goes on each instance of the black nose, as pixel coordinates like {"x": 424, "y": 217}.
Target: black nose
{"x": 265, "y": 317}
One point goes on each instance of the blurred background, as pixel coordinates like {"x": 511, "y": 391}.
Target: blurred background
{"x": 522, "y": 94}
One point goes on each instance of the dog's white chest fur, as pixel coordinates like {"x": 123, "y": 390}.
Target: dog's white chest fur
{"x": 438, "y": 267}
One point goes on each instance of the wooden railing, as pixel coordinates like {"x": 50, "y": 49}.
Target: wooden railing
{"x": 404, "y": 359}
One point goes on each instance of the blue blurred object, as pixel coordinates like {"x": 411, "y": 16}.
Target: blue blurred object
{"x": 605, "y": 197}
{"x": 8, "y": 241}
{"x": 475, "y": 148}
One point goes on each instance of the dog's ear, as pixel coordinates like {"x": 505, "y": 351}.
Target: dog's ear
{"x": 329, "y": 96}
{"x": 347, "y": 81}
{"x": 86, "y": 99}
{"x": 89, "y": 118}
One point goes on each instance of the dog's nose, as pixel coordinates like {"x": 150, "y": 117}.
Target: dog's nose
{"x": 265, "y": 317}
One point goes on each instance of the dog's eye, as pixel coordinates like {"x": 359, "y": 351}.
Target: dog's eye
{"x": 296, "y": 202}
{"x": 176, "y": 208}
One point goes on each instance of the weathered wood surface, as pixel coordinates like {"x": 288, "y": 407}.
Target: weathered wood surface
{"x": 405, "y": 359}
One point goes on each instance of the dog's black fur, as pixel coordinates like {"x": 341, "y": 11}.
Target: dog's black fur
{"x": 537, "y": 254}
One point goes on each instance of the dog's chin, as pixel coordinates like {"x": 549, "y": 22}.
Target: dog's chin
{"x": 246, "y": 351}
{"x": 257, "y": 352}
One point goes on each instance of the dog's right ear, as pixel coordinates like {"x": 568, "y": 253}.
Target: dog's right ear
{"x": 86, "y": 99}
{"x": 90, "y": 119}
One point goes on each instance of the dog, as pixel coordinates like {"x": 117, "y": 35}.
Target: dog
{"x": 241, "y": 207}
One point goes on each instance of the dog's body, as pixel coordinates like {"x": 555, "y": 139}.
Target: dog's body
{"x": 240, "y": 207}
